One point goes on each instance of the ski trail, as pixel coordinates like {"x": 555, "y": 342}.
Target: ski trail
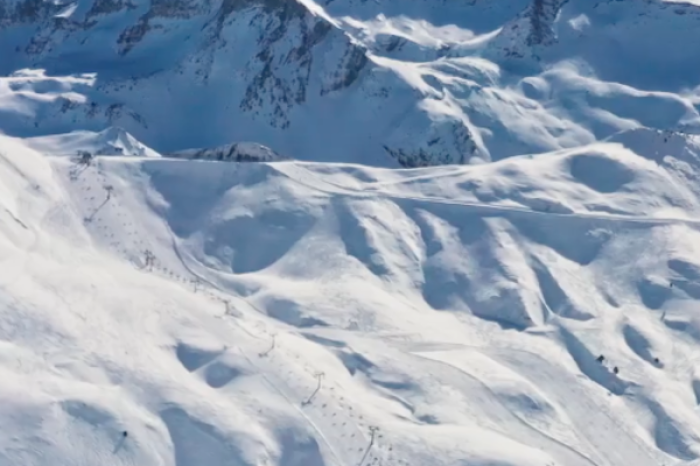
{"x": 612, "y": 442}
{"x": 302, "y": 176}
{"x": 270, "y": 365}
{"x": 14, "y": 217}
{"x": 522, "y": 430}
{"x": 596, "y": 426}
{"x": 320, "y": 414}
{"x": 14, "y": 262}
{"x": 297, "y": 408}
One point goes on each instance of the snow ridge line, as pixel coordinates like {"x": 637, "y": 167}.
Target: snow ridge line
{"x": 343, "y": 191}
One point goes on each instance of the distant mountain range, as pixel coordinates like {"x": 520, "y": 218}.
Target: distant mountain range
{"x": 387, "y": 83}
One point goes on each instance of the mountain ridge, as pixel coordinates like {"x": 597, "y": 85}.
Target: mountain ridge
{"x": 381, "y": 89}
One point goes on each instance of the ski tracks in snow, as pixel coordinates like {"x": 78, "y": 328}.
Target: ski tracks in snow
{"x": 607, "y": 437}
{"x": 327, "y": 414}
{"x": 608, "y": 441}
{"x": 341, "y": 434}
{"x": 346, "y": 437}
{"x": 314, "y": 182}
{"x": 520, "y": 428}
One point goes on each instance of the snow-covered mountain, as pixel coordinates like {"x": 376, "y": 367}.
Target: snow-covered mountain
{"x": 162, "y": 311}
{"x": 111, "y": 141}
{"x": 386, "y": 83}
{"x": 163, "y": 304}
{"x": 236, "y": 152}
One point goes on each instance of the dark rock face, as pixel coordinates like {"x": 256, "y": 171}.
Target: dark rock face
{"x": 434, "y": 151}
{"x": 237, "y": 152}
{"x": 542, "y": 14}
{"x": 278, "y": 73}
{"x": 298, "y": 57}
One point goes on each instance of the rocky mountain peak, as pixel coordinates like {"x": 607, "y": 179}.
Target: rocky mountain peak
{"x": 396, "y": 84}
{"x": 542, "y": 14}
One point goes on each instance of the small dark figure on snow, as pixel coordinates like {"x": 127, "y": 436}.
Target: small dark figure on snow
{"x": 84, "y": 157}
{"x": 616, "y": 370}
{"x": 656, "y": 361}
{"x": 600, "y": 358}
{"x": 125, "y": 434}
{"x": 150, "y": 259}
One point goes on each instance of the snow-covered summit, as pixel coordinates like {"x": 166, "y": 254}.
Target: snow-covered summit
{"x": 111, "y": 141}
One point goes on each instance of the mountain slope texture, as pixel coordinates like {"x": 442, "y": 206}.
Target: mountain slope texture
{"x": 349, "y": 233}
{"x": 384, "y": 83}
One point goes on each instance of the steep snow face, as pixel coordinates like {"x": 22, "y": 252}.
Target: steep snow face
{"x": 303, "y": 314}
{"x": 388, "y": 83}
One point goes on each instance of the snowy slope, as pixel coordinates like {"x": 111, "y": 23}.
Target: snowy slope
{"x": 160, "y": 305}
{"x": 111, "y": 141}
{"x": 384, "y": 83}
{"x": 303, "y": 314}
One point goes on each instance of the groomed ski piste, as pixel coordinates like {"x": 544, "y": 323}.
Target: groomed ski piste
{"x": 158, "y": 311}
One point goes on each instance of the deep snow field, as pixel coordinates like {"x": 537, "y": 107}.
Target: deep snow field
{"x": 302, "y": 314}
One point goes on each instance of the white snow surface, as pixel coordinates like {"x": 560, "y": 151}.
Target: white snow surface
{"x": 306, "y": 314}
{"x": 111, "y": 141}
{"x": 162, "y": 304}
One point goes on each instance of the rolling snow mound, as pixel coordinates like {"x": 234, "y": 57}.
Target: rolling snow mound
{"x": 302, "y": 314}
